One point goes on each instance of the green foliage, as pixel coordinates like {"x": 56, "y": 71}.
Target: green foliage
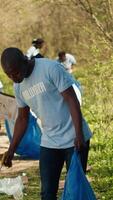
{"x": 65, "y": 27}
{"x": 7, "y": 83}
{"x": 97, "y": 108}
{"x": 62, "y": 24}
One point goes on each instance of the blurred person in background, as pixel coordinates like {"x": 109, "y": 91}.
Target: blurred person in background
{"x": 67, "y": 60}
{"x": 35, "y": 50}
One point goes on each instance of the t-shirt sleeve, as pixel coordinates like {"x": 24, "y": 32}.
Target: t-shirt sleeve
{"x": 60, "y": 78}
{"x": 19, "y": 99}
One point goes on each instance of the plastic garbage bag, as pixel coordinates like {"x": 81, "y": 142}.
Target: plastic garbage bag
{"x": 78, "y": 90}
{"x": 12, "y": 186}
{"x": 29, "y": 146}
{"x": 77, "y": 186}
{"x": 78, "y": 93}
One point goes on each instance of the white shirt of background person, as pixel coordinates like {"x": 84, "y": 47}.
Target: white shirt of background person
{"x": 32, "y": 51}
{"x": 70, "y": 60}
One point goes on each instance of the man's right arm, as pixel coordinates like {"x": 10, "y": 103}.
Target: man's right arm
{"x": 19, "y": 130}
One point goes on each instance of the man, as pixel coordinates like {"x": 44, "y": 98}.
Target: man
{"x": 45, "y": 87}
{"x": 34, "y": 50}
{"x": 67, "y": 60}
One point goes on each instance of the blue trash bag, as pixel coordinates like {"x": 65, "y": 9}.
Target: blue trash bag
{"x": 77, "y": 186}
{"x": 29, "y": 146}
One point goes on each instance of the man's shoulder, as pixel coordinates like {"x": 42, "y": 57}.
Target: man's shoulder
{"x": 70, "y": 58}
{"x": 46, "y": 62}
{"x": 68, "y": 55}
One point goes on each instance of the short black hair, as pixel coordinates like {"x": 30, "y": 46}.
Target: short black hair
{"x": 61, "y": 53}
{"x": 12, "y": 57}
{"x": 38, "y": 41}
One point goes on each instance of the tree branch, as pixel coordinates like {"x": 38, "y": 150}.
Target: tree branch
{"x": 89, "y": 10}
{"x": 110, "y": 9}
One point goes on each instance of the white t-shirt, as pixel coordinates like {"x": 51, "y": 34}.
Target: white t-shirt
{"x": 70, "y": 60}
{"x": 32, "y": 51}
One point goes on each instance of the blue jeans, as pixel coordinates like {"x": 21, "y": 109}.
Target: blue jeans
{"x": 51, "y": 164}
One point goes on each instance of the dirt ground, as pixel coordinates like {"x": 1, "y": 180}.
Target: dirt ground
{"x": 18, "y": 164}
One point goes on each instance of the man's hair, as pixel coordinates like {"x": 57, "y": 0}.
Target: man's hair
{"x": 12, "y": 58}
{"x": 38, "y": 41}
{"x": 61, "y": 53}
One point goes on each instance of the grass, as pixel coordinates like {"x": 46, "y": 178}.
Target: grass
{"x": 32, "y": 189}
{"x": 97, "y": 82}
{"x": 98, "y": 110}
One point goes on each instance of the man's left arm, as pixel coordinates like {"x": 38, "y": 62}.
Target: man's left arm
{"x": 70, "y": 97}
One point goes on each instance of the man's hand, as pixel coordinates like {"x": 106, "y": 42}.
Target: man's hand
{"x": 7, "y": 159}
{"x": 79, "y": 142}
{"x": 19, "y": 130}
